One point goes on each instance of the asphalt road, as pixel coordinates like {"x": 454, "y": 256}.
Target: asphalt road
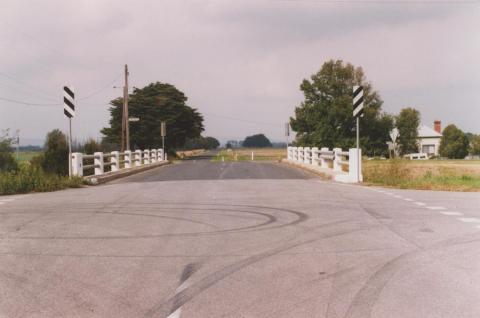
{"x": 205, "y": 239}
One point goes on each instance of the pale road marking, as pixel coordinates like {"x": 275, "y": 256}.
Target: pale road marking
{"x": 4, "y": 202}
{"x": 8, "y": 200}
{"x": 408, "y": 199}
{"x": 470, "y": 220}
{"x": 478, "y": 226}
{"x": 435, "y": 208}
{"x": 420, "y": 203}
{"x": 177, "y": 313}
{"x": 398, "y": 196}
{"x": 451, "y": 213}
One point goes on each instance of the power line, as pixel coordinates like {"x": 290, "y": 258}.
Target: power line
{"x": 101, "y": 89}
{"x": 27, "y": 103}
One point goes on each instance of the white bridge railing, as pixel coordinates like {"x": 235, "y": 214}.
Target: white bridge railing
{"x": 343, "y": 164}
{"x": 115, "y": 160}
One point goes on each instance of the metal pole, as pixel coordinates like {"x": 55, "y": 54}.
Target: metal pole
{"x": 125, "y": 99}
{"x": 70, "y": 148}
{"x": 163, "y": 145}
{"x": 358, "y": 149}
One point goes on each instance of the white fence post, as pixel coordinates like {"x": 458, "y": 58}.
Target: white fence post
{"x": 77, "y": 164}
{"x": 355, "y": 170}
{"x": 146, "y": 157}
{"x": 128, "y": 159}
{"x": 337, "y": 166}
{"x": 315, "y": 156}
{"x": 289, "y": 153}
{"x": 300, "y": 154}
{"x": 154, "y": 155}
{"x": 323, "y": 161}
{"x": 115, "y": 160}
{"x": 138, "y": 158}
{"x": 98, "y": 162}
{"x": 160, "y": 154}
{"x": 306, "y": 155}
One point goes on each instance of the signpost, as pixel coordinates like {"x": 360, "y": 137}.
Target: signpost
{"x": 357, "y": 112}
{"x": 287, "y": 132}
{"x": 69, "y": 111}
{"x": 163, "y": 132}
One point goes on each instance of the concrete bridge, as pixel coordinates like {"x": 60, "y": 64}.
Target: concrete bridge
{"x": 239, "y": 239}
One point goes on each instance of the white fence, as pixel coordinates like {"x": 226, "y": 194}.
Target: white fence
{"x": 115, "y": 160}
{"x": 342, "y": 164}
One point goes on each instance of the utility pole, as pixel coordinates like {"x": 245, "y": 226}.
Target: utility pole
{"x": 125, "y": 107}
{"x": 163, "y": 133}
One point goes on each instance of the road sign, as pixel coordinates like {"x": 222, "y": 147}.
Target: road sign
{"x": 133, "y": 119}
{"x": 357, "y": 100}
{"x": 68, "y": 102}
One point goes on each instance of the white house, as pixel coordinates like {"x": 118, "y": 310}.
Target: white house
{"x": 429, "y": 139}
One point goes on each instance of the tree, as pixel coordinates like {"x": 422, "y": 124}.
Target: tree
{"x": 55, "y": 158}
{"x": 257, "y": 141}
{"x": 475, "y": 145}
{"x": 325, "y": 118}
{"x": 153, "y": 104}
{"x": 407, "y": 123}
{"x": 454, "y": 143}
{"x": 7, "y": 161}
{"x": 201, "y": 143}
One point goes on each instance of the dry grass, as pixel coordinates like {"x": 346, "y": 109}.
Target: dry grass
{"x": 259, "y": 154}
{"x": 448, "y": 175}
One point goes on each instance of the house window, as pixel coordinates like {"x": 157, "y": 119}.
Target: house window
{"x": 429, "y": 149}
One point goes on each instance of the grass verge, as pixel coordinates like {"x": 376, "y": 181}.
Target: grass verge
{"x": 32, "y": 179}
{"x": 245, "y": 154}
{"x": 426, "y": 175}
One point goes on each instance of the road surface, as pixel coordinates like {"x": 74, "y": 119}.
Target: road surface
{"x": 213, "y": 239}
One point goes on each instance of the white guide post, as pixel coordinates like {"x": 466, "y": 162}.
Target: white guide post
{"x": 315, "y": 156}
{"x": 138, "y": 158}
{"x": 355, "y": 165}
{"x": 146, "y": 157}
{"x": 77, "y": 164}
{"x": 128, "y": 159}
{"x": 98, "y": 162}
{"x": 337, "y": 166}
{"x": 115, "y": 161}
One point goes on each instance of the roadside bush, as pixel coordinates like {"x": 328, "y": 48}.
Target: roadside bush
{"x": 7, "y": 161}
{"x": 30, "y": 178}
{"x": 56, "y": 153}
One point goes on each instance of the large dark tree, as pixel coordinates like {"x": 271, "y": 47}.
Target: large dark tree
{"x": 153, "y": 104}
{"x": 407, "y": 123}
{"x": 257, "y": 141}
{"x": 454, "y": 143}
{"x": 325, "y": 119}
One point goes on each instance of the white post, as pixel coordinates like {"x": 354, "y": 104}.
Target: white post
{"x": 115, "y": 160}
{"x": 160, "y": 154}
{"x": 336, "y": 161}
{"x": 146, "y": 157}
{"x": 77, "y": 164}
{"x": 295, "y": 154}
{"x": 252, "y": 156}
{"x": 154, "y": 155}
{"x": 128, "y": 159}
{"x": 355, "y": 165}
{"x": 288, "y": 153}
{"x": 138, "y": 158}
{"x": 315, "y": 156}
{"x": 300, "y": 154}
{"x": 323, "y": 161}
{"x": 306, "y": 155}
{"x": 98, "y": 162}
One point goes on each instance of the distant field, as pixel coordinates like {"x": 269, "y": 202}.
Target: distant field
{"x": 448, "y": 175}
{"x": 26, "y": 155}
{"x": 259, "y": 154}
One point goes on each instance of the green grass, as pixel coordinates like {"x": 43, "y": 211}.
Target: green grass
{"x": 448, "y": 175}
{"x": 24, "y": 156}
{"x": 33, "y": 179}
{"x": 245, "y": 154}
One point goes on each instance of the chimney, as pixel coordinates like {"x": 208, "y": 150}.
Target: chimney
{"x": 437, "y": 125}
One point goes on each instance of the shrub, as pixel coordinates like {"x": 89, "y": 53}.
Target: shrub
{"x": 30, "y": 178}
{"x": 56, "y": 153}
{"x": 7, "y": 161}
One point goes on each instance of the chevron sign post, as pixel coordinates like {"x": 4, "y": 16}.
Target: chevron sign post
{"x": 357, "y": 112}
{"x": 69, "y": 111}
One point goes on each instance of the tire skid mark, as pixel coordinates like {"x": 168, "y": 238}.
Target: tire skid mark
{"x": 164, "y": 308}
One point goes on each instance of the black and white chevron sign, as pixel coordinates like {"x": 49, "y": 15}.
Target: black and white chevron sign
{"x": 357, "y": 100}
{"x": 68, "y": 98}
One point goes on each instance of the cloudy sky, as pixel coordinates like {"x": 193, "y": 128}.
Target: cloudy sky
{"x": 239, "y": 62}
